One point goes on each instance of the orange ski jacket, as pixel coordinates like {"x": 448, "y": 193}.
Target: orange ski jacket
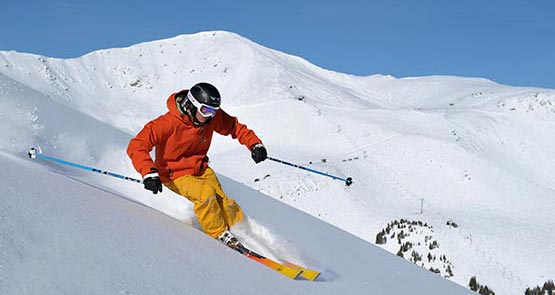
{"x": 181, "y": 147}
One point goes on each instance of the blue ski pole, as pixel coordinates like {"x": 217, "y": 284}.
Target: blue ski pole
{"x": 348, "y": 181}
{"x": 33, "y": 153}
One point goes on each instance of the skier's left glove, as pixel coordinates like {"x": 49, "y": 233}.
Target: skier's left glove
{"x": 258, "y": 153}
{"x": 152, "y": 182}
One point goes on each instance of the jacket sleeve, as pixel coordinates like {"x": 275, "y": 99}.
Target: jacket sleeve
{"x": 140, "y": 147}
{"x": 229, "y": 125}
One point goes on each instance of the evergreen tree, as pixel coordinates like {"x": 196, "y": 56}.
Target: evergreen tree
{"x": 381, "y": 238}
{"x": 473, "y": 284}
{"x": 486, "y": 291}
{"x": 549, "y": 287}
{"x": 435, "y": 270}
{"x": 535, "y": 291}
{"x": 416, "y": 257}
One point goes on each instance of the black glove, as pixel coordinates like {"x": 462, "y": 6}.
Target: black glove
{"x": 152, "y": 182}
{"x": 258, "y": 153}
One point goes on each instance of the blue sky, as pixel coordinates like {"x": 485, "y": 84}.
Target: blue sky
{"x": 509, "y": 41}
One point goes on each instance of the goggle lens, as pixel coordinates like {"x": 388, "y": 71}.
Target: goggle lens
{"x": 207, "y": 111}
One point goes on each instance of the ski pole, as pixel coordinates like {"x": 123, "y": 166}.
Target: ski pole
{"x": 348, "y": 181}
{"x": 33, "y": 153}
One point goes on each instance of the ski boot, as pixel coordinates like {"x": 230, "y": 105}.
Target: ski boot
{"x": 229, "y": 240}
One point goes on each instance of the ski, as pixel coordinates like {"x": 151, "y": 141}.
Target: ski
{"x": 286, "y": 268}
{"x": 306, "y": 273}
{"x": 283, "y": 269}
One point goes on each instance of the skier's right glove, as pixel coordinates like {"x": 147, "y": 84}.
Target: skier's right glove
{"x": 152, "y": 182}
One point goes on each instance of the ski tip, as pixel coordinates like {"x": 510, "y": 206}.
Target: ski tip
{"x": 312, "y": 276}
{"x": 292, "y": 273}
{"x": 32, "y": 153}
{"x": 306, "y": 273}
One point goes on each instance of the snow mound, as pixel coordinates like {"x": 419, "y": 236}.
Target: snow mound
{"x": 65, "y": 233}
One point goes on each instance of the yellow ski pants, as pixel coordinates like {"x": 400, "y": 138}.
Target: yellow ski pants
{"x": 214, "y": 210}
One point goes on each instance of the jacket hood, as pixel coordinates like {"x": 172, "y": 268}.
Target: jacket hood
{"x": 172, "y": 104}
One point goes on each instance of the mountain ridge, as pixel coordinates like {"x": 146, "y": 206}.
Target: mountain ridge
{"x": 472, "y": 149}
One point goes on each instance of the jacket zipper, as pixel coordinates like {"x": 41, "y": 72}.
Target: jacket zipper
{"x": 200, "y": 137}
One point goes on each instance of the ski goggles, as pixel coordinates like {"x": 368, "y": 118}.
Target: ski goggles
{"x": 204, "y": 109}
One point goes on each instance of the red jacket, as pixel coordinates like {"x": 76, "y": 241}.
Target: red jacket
{"x": 181, "y": 147}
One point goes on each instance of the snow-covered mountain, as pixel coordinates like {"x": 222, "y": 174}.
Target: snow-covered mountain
{"x": 465, "y": 162}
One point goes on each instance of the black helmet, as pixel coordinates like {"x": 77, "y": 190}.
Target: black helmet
{"x": 203, "y": 96}
{"x": 207, "y": 94}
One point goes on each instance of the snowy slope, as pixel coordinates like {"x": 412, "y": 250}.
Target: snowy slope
{"x": 431, "y": 149}
{"x": 67, "y": 235}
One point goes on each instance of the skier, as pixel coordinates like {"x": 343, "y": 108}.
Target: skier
{"x": 182, "y": 138}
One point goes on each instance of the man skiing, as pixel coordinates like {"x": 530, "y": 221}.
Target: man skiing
{"x": 182, "y": 138}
